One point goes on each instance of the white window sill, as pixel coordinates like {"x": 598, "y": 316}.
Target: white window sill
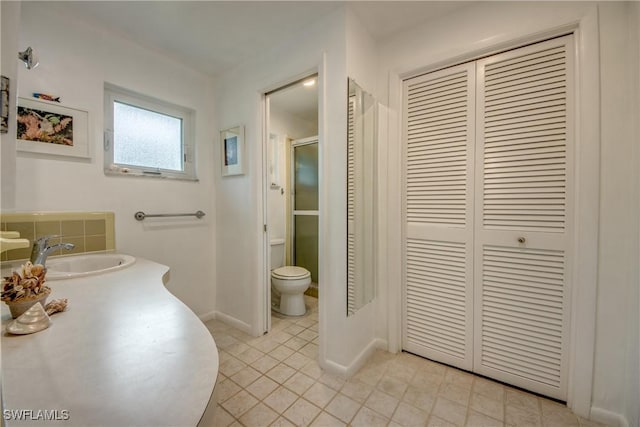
{"x": 139, "y": 174}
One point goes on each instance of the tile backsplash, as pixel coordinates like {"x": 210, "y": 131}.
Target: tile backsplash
{"x": 88, "y": 231}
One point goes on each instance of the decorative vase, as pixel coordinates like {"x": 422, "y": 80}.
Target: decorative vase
{"x": 21, "y": 305}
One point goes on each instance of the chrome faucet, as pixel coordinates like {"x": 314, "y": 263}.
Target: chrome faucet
{"x": 41, "y": 249}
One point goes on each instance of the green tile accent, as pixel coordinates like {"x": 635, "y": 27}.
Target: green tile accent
{"x": 73, "y": 228}
{"x": 27, "y": 230}
{"x": 14, "y": 254}
{"x": 110, "y": 220}
{"x": 88, "y": 231}
{"x": 47, "y": 228}
{"x": 95, "y": 243}
{"x": 94, "y": 227}
{"x": 78, "y": 249}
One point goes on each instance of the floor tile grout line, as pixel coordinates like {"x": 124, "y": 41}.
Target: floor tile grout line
{"x": 264, "y": 375}
{"x": 466, "y": 417}
{"x": 381, "y": 369}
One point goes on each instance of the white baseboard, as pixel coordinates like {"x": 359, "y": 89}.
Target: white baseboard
{"x": 364, "y": 355}
{"x": 333, "y": 368}
{"x": 207, "y": 316}
{"x": 609, "y": 418}
{"x": 232, "y": 321}
{"x": 357, "y": 363}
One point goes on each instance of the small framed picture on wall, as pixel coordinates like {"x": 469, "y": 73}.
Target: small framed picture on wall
{"x": 232, "y": 146}
{"x": 50, "y": 128}
{"x": 4, "y": 106}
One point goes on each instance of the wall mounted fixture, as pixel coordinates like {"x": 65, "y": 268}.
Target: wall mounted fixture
{"x": 29, "y": 59}
{"x": 141, "y": 215}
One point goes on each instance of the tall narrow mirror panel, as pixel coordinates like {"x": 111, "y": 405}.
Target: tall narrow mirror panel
{"x": 361, "y": 148}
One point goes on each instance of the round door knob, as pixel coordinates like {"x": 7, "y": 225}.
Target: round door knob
{"x": 521, "y": 240}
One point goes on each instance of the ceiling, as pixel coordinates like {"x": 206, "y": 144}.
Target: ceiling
{"x": 214, "y": 36}
{"x": 297, "y": 100}
{"x": 386, "y": 18}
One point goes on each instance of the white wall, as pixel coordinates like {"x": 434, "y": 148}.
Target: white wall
{"x": 632, "y": 375}
{"x": 241, "y": 272}
{"x": 76, "y": 58}
{"x": 484, "y": 27}
{"x": 618, "y": 276}
{"x": 277, "y": 197}
{"x": 362, "y": 66}
{"x": 10, "y": 12}
{"x": 284, "y": 123}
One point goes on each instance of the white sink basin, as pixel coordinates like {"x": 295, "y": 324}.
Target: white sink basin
{"x": 86, "y": 265}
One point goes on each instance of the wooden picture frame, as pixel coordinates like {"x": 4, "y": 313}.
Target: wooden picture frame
{"x": 49, "y": 128}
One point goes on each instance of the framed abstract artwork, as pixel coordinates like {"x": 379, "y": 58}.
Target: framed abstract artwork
{"x": 49, "y": 128}
{"x": 232, "y": 150}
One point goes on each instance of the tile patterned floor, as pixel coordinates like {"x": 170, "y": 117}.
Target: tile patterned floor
{"x": 274, "y": 380}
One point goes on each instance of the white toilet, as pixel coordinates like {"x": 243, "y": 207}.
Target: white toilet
{"x": 288, "y": 283}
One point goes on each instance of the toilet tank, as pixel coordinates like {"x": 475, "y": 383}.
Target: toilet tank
{"x": 277, "y": 253}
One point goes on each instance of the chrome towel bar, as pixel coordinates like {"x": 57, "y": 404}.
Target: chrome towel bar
{"x": 141, "y": 215}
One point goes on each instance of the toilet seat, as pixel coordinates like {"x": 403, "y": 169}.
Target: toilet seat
{"x": 290, "y": 272}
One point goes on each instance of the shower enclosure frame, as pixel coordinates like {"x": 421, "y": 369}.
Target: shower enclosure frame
{"x": 293, "y": 212}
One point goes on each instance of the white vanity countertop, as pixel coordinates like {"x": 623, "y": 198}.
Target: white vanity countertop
{"x": 125, "y": 353}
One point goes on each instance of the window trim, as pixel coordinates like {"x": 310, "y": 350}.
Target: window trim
{"x": 112, "y": 94}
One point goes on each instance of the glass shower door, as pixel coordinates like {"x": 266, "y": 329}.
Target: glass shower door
{"x": 305, "y": 206}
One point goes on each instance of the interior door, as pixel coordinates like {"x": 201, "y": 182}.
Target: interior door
{"x": 523, "y": 216}
{"x": 488, "y": 207}
{"x": 438, "y": 211}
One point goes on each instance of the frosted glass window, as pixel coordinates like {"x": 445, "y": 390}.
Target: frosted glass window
{"x": 306, "y": 177}
{"x": 305, "y": 253}
{"x": 146, "y": 138}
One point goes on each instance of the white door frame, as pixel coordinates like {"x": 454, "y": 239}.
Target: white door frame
{"x": 586, "y": 208}
{"x": 264, "y": 290}
{"x": 266, "y": 243}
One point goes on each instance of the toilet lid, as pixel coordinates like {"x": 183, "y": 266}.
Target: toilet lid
{"x": 290, "y": 272}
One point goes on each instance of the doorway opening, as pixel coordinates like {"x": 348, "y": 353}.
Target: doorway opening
{"x": 292, "y": 201}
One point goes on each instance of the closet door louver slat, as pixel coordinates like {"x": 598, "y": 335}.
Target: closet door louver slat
{"x": 441, "y": 142}
{"x": 351, "y": 159}
{"x": 509, "y": 352}
{"x": 438, "y": 176}
{"x": 351, "y": 241}
{"x": 522, "y": 192}
{"x": 501, "y": 129}
{"x": 436, "y": 319}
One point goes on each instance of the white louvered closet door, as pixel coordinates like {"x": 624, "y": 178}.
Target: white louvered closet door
{"x": 523, "y": 216}
{"x": 438, "y": 212}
